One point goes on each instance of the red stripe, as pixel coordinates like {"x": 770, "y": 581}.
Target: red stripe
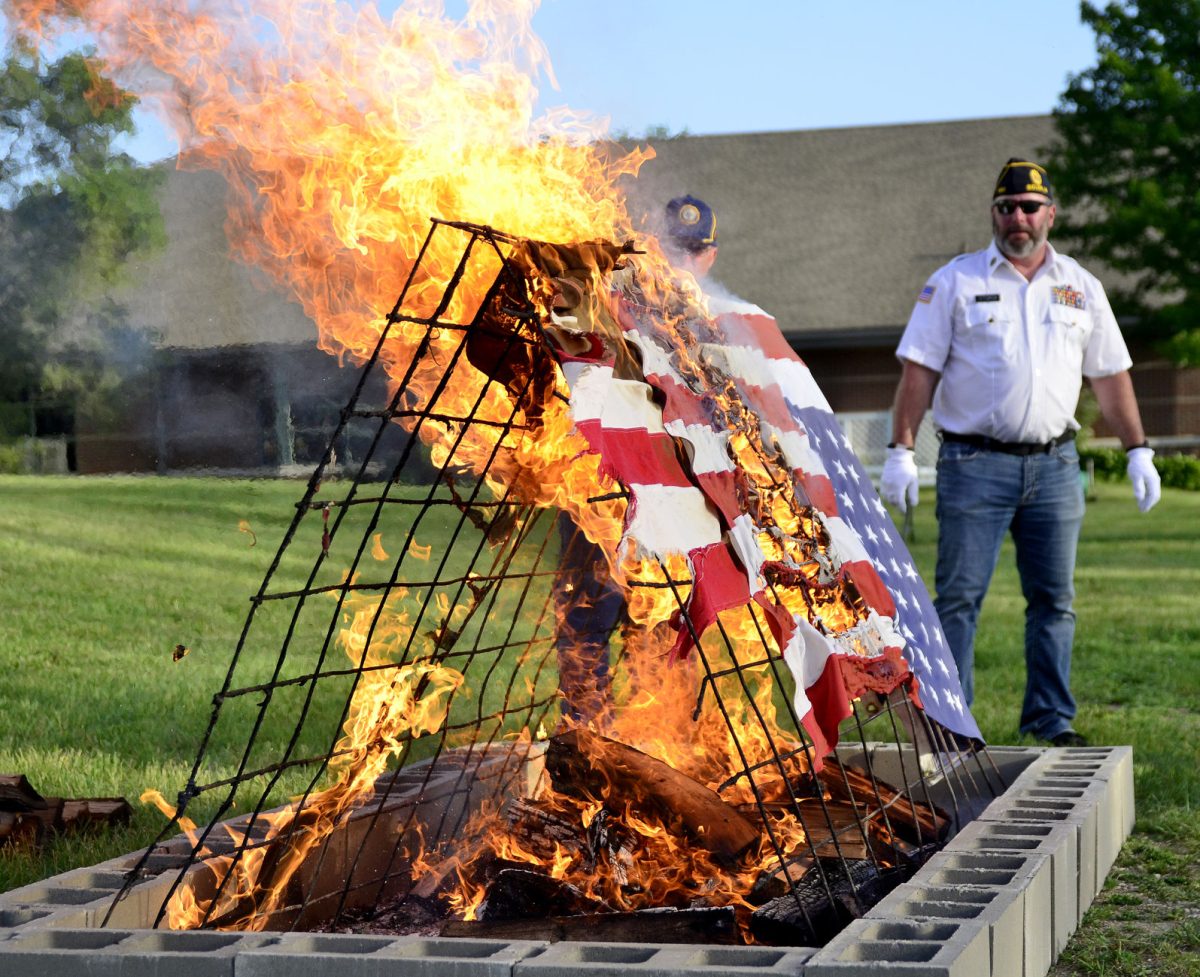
{"x": 756, "y": 330}
{"x": 819, "y": 490}
{"x": 829, "y": 707}
{"x": 720, "y": 488}
{"x": 870, "y": 585}
{"x": 719, "y": 584}
{"x": 634, "y": 456}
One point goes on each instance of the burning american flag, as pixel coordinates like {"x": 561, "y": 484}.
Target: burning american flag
{"x": 732, "y": 455}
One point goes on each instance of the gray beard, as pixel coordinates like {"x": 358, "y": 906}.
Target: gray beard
{"x": 1032, "y": 243}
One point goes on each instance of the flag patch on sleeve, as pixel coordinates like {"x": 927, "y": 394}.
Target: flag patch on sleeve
{"x": 926, "y": 294}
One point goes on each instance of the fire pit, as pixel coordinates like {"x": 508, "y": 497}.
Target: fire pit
{"x": 770, "y": 747}
{"x": 1001, "y": 899}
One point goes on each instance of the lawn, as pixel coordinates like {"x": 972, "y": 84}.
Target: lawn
{"x": 102, "y": 579}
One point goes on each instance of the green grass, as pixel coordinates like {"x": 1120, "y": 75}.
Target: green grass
{"x": 100, "y": 579}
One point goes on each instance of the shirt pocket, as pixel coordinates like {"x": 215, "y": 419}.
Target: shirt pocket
{"x": 1069, "y": 331}
{"x": 988, "y": 333}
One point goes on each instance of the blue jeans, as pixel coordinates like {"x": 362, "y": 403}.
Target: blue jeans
{"x": 589, "y": 605}
{"x": 981, "y": 495}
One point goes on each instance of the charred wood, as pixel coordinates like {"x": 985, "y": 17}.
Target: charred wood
{"x": 583, "y": 763}
{"x": 825, "y": 900}
{"x": 17, "y": 794}
{"x": 519, "y": 893}
{"x": 703, "y": 925}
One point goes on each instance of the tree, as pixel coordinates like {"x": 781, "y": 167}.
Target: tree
{"x": 1129, "y": 163}
{"x": 73, "y": 210}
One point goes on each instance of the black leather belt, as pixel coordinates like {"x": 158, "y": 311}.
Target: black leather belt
{"x": 1008, "y": 447}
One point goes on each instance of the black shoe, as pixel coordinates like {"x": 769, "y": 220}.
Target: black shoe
{"x": 1068, "y": 737}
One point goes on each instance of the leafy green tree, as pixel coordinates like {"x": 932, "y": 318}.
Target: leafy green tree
{"x": 1129, "y": 162}
{"x": 73, "y": 210}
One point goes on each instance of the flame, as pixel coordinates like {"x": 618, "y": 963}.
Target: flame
{"x": 340, "y": 134}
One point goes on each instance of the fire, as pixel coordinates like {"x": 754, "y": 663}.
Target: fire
{"x": 340, "y": 135}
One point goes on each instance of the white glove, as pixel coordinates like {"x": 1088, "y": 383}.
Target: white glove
{"x": 1147, "y": 486}
{"x": 899, "y": 483}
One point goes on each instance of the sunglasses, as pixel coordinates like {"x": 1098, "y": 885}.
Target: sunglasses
{"x": 1009, "y": 207}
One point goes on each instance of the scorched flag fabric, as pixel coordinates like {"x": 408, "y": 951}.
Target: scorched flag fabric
{"x": 768, "y": 502}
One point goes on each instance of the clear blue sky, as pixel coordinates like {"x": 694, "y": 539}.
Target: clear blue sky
{"x": 713, "y": 66}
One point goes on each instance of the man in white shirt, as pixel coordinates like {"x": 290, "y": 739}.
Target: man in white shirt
{"x": 999, "y": 342}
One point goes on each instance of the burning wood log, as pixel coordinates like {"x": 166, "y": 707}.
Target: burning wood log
{"x": 822, "y": 903}
{"x": 706, "y": 924}
{"x": 582, "y": 762}
{"x": 520, "y": 893}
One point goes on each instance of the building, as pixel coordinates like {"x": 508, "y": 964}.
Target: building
{"x": 833, "y": 231}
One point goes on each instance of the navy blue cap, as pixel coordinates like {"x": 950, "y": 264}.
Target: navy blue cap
{"x": 691, "y": 223}
{"x": 1022, "y": 176}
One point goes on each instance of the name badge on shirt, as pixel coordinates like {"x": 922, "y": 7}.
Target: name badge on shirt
{"x": 987, "y": 298}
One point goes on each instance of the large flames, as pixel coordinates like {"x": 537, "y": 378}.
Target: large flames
{"x": 341, "y": 133}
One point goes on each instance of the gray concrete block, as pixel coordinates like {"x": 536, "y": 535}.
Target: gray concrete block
{"x": 122, "y": 953}
{"x": 998, "y": 909}
{"x": 10, "y": 918}
{"x": 314, "y": 955}
{"x": 319, "y": 955}
{"x": 871, "y": 948}
{"x": 1032, "y": 872}
{"x": 662, "y": 960}
{"x": 1058, "y": 841}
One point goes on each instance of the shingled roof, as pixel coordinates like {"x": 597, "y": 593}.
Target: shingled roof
{"x": 834, "y": 231}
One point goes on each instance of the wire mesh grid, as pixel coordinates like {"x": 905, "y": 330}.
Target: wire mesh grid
{"x": 414, "y": 626}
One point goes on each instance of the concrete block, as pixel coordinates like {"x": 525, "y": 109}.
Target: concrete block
{"x": 662, "y": 960}
{"x": 1060, "y": 842}
{"x": 872, "y": 948}
{"x": 1000, "y": 910}
{"x": 319, "y": 955}
{"x": 11, "y": 918}
{"x": 122, "y": 953}
{"x": 417, "y": 957}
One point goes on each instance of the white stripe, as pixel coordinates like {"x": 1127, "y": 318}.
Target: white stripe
{"x": 797, "y": 451}
{"x": 798, "y": 385}
{"x": 666, "y": 519}
{"x": 743, "y": 537}
{"x": 806, "y": 653}
{"x": 710, "y": 449}
{"x": 619, "y": 405}
{"x": 745, "y": 363}
{"x": 752, "y": 365}
{"x": 656, "y": 361}
{"x": 844, "y": 543}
